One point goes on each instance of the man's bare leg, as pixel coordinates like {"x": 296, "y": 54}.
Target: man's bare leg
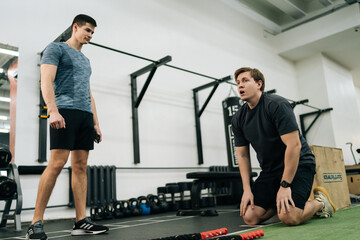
{"x": 298, "y": 216}
{"x": 58, "y": 158}
{"x": 79, "y": 181}
{"x": 257, "y": 215}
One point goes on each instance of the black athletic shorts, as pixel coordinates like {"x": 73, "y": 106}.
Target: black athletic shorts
{"x": 78, "y": 133}
{"x": 267, "y": 185}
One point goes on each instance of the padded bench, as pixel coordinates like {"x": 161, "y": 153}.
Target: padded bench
{"x": 205, "y": 177}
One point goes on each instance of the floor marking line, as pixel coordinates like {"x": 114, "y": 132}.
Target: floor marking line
{"x": 252, "y": 228}
{"x": 142, "y": 224}
{"x": 13, "y": 238}
{"x": 117, "y": 225}
{"x": 172, "y": 218}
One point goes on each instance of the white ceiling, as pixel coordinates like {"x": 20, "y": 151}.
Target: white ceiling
{"x": 287, "y": 14}
{"x": 302, "y": 28}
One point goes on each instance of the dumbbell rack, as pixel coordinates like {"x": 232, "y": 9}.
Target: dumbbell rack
{"x": 13, "y": 173}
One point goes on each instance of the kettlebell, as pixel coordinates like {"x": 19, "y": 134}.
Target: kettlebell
{"x": 118, "y": 210}
{"x": 144, "y": 205}
{"x": 126, "y": 208}
{"x": 154, "y": 203}
{"x": 96, "y": 213}
{"x": 164, "y": 206}
{"x": 108, "y": 211}
{"x": 134, "y": 207}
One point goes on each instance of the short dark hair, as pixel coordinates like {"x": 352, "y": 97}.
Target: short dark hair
{"x": 82, "y": 19}
{"x": 254, "y": 73}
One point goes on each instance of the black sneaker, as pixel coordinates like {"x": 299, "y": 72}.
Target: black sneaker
{"x": 86, "y": 226}
{"x": 36, "y": 231}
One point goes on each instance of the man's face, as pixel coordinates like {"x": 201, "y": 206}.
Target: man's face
{"x": 247, "y": 87}
{"x": 84, "y": 33}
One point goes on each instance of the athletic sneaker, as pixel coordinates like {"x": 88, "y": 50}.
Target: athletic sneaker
{"x": 322, "y": 196}
{"x": 36, "y": 231}
{"x": 86, "y": 226}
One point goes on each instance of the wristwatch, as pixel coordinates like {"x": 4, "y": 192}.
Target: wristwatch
{"x": 285, "y": 184}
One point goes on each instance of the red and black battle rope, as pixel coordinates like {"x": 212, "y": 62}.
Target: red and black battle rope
{"x": 196, "y": 236}
{"x": 245, "y": 236}
{"x": 213, "y": 234}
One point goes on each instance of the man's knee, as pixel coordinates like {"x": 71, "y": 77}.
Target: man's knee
{"x": 58, "y": 160}
{"x": 251, "y": 220}
{"x": 290, "y": 219}
{"x": 79, "y": 162}
{"x": 79, "y": 168}
{"x": 56, "y": 166}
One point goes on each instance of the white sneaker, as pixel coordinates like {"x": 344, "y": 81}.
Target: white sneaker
{"x": 328, "y": 209}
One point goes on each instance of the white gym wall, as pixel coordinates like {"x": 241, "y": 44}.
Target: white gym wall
{"x": 205, "y": 36}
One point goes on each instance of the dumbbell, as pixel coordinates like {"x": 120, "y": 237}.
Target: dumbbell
{"x": 173, "y": 189}
{"x": 161, "y": 190}
{"x": 203, "y": 198}
{"x": 144, "y": 205}
{"x": 208, "y": 200}
{"x": 154, "y": 203}
{"x": 5, "y": 157}
{"x": 185, "y": 201}
{"x": 8, "y": 188}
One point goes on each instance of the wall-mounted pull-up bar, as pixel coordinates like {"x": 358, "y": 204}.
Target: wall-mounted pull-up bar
{"x": 302, "y": 117}
{"x": 304, "y": 130}
{"x": 198, "y": 111}
{"x": 214, "y": 84}
{"x": 152, "y": 68}
{"x": 135, "y": 100}
{"x": 294, "y": 103}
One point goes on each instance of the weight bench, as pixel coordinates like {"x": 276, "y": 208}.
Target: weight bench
{"x": 205, "y": 177}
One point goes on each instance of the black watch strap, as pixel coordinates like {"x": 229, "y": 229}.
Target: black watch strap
{"x": 285, "y": 184}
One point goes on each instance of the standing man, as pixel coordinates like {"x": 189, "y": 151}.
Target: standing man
{"x": 65, "y": 85}
{"x": 267, "y": 122}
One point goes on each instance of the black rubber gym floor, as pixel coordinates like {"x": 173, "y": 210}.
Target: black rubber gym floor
{"x": 144, "y": 227}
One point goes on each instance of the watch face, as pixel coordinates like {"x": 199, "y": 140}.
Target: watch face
{"x": 284, "y": 184}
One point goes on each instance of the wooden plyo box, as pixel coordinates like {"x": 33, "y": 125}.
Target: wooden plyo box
{"x": 330, "y": 174}
{"x": 353, "y": 178}
{"x": 354, "y": 184}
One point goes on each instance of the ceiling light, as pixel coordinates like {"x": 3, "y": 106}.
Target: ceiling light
{"x": 9, "y": 52}
{"x": 4, "y": 117}
{"x": 4, "y": 130}
{"x": 4, "y": 99}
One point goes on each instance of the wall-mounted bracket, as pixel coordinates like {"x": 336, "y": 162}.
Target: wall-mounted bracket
{"x": 199, "y": 111}
{"x": 136, "y": 99}
{"x": 294, "y": 103}
{"x": 304, "y": 130}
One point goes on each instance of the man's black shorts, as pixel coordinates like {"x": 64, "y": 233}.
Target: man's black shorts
{"x": 78, "y": 133}
{"x": 267, "y": 185}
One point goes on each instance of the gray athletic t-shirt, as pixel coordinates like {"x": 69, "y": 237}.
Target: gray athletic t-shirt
{"x": 72, "y": 81}
{"x": 262, "y": 127}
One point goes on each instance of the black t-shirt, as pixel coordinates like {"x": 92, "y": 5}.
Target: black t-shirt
{"x": 262, "y": 127}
